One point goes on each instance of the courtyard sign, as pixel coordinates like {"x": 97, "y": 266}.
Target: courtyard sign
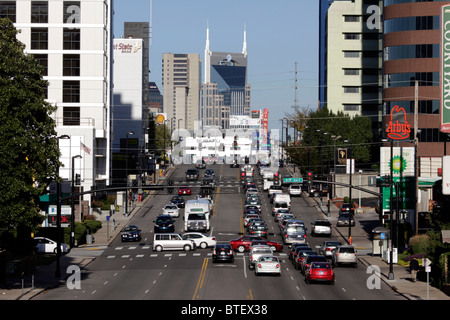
{"x": 445, "y": 69}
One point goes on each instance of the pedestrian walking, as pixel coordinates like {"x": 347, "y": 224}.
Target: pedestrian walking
{"x": 414, "y": 268}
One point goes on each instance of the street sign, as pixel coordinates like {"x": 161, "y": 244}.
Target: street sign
{"x": 293, "y": 180}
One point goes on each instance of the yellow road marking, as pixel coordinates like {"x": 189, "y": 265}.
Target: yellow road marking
{"x": 201, "y": 278}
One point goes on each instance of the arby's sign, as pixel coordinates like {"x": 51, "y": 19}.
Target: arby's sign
{"x": 398, "y": 130}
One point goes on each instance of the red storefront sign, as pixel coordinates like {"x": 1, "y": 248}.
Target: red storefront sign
{"x": 398, "y": 130}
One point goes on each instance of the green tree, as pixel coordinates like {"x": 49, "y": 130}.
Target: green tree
{"x": 29, "y": 155}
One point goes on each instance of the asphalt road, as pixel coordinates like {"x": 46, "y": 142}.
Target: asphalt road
{"x": 132, "y": 271}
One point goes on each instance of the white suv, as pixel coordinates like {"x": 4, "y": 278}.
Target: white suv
{"x": 295, "y": 190}
{"x": 344, "y": 255}
{"x": 171, "y": 241}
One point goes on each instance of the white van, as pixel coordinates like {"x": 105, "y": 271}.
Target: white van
{"x": 171, "y": 241}
{"x": 282, "y": 197}
{"x": 197, "y": 215}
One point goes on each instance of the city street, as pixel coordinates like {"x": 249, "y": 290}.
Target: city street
{"x": 132, "y": 271}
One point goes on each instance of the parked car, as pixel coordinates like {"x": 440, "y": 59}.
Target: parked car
{"x": 164, "y": 223}
{"x": 243, "y": 243}
{"x": 178, "y": 200}
{"x": 327, "y": 248}
{"x": 46, "y": 245}
{"x": 171, "y": 210}
{"x": 201, "y": 240}
{"x": 268, "y": 264}
{"x": 184, "y": 190}
{"x": 171, "y": 241}
{"x": 321, "y": 227}
{"x": 131, "y": 233}
{"x": 223, "y": 252}
{"x": 344, "y": 255}
{"x": 343, "y": 219}
{"x": 320, "y": 271}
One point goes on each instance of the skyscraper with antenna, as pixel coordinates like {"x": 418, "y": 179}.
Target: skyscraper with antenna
{"x": 225, "y": 90}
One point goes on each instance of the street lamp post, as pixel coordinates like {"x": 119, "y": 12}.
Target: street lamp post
{"x": 72, "y": 216}
{"x": 58, "y": 217}
{"x": 349, "y": 155}
{"x": 126, "y": 172}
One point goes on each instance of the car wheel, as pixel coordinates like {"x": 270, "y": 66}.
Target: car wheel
{"x": 241, "y": 249}
{"x": 274, "y": 249}
{"x": 187, "y": 247}
{"x": 203, "y": 245}
{"x": 158, "y": 248}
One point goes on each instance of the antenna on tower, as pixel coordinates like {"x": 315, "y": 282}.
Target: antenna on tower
{"x": 244, "y": 49}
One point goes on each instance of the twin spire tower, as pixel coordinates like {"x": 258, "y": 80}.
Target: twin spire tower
{"x": 208, "y": 54}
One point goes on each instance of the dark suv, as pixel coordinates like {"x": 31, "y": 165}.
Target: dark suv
{"x": 223, "y": 252}
{"x": 192, "y": 174}
{"x": 164, "y": 223}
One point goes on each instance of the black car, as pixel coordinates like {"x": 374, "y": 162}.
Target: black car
{"x": 223, "y": 252}
{"x": 164, "y": 223}
{"x": 178, "y": 200}
{"x": 192, "y": 174}
{"x": 131, "y": 233}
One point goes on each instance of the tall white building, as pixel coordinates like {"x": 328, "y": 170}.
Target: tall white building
{"x": 72, "y": 41}
{"x": 350, "y": 58}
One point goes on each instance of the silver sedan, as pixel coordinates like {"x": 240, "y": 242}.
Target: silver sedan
{"x": 268, "y": 264}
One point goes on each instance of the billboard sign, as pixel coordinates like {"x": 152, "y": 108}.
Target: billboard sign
{"x": 445, "y": 69}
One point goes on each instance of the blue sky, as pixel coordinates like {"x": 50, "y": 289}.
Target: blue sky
{"x": 279, "y": 34}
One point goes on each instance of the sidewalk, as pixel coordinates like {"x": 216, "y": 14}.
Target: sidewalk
{"x": 361, "y": 239}
{"x": 44, "y": 277}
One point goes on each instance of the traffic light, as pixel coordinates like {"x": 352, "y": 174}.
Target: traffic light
{"x": 77, "y": 179}
{"x": 235, "y": 144}
{"x": 309, "y": 175}
{"x": 242, "y": 176}
{"x": 276, "y": 176}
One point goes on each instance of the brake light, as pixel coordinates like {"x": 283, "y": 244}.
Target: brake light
{"x": 231, "y": 252}
{"x": 214, "y": 252}
{"x": 278, "y": 265}
{"x": 259, "y": 266}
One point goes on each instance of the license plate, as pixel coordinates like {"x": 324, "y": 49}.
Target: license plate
{"x": 321, "y": 273}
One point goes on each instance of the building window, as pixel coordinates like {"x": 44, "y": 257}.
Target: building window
{"x": 71, "y": 116}
{"x": 39, "y": 12}
{"x": 71, "y": 91}
{"x": 71, "y": 65}
{"x": 39, "y": 38}
{"x": 42, "y": 59}
{"x": 351, "y": 107}
{"x": 352, "y": 18}
{"x": 351, "y": 89}
{"x": 351, "y": 72}
{"x": 352, "y": 54}
{"x": 8, "y": 10}
{"x": 72, "y": 12}
{"x": 352, "y": 36}
{"x": 71, "y": 39}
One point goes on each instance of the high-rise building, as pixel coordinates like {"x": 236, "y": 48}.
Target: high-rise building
{"x": 225, "y": 74}
{"x": 181, "y": 75}
{"x": 350, "y": 62}
{"x": 72, "y": 40}
{"x": 412, "y": 54}
{"x": 129, "y": 113}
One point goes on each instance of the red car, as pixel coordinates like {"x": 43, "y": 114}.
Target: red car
{"x": 184, "y": 190}
{"x": 320, "y": 271}
{"x": 243, "y": 243}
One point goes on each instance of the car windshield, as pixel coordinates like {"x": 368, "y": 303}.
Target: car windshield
{"x": 261, "y": 250}
{"x": 163, "y": 219}
{"x": 323, "y": 223}
{"x": 331, "y": 244}
{"x": 295, "y": 229}
{"x": 321, "y": 266}
{"x": 269, "y": 259}
{"x": 131, "y": 228}
{"x": 171, "y": 207}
